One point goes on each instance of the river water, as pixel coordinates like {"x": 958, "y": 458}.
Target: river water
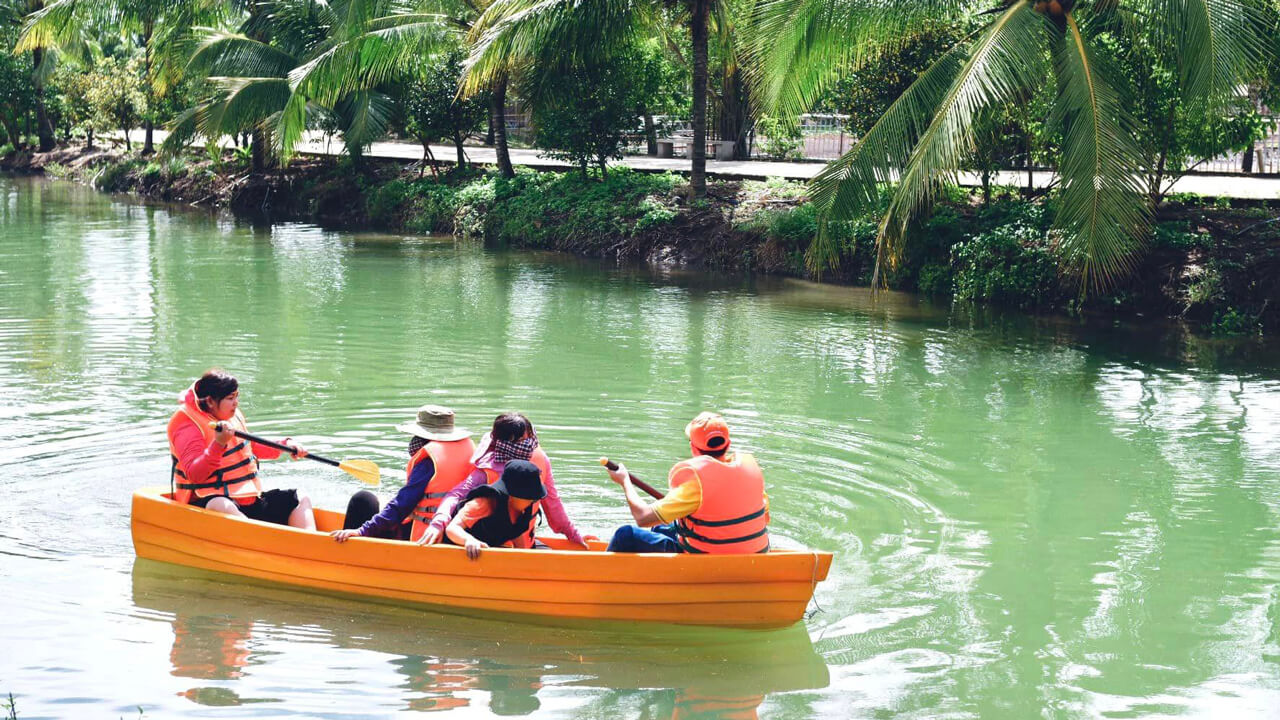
{"x": 1030, "y": 517}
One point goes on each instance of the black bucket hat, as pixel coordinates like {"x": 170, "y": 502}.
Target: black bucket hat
{"x": 521, "y": 479}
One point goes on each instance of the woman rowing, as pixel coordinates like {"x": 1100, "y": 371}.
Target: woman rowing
{"x": 215, "y": 470}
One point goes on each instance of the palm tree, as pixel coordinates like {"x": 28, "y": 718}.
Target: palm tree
{"x": 922, "y": 139}
{"x": 294, "y": 58}
{"x": 41, "y": 63}
{"x": 158, "y": 26}
{"x": 555, "y": 35}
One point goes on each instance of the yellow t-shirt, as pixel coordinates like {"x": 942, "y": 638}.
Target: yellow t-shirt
{"x": 685, "y": 500}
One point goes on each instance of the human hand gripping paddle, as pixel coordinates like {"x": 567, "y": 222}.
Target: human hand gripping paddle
{"x": 366, "y": 471}
{"x": 611, "y": 465}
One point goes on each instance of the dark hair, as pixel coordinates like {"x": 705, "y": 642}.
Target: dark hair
{"x": 511, "y": 426}
{"x": 215, "y": 385}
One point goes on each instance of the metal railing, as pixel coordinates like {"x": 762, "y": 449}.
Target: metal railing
{"x": 826, "y": 137}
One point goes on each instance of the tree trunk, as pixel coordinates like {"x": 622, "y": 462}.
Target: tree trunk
{"x": 650, "y": 134}
{"x": 257, "y": 151}
{"x": 88, "y": 145}
{"x": 148, "y": 124}
{"x": 488, "y": 133}
{"x": 698, "y": 117}
{"x": 1031, "y": 177}
{"x": 44, "y": 126}
{"x": 462, "y": 155}
{"x": 498, "y": 116}
{"x": 604, "y": 169}
{"x": 1246, "y": 163}
{"x": 734, "y": 101}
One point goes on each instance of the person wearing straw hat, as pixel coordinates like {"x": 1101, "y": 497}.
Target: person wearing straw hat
{"x": 439, "y": 458}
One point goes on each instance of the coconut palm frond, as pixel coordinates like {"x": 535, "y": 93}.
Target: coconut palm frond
{"x": 554, "y": 35}
{"x": 801, "y": 46}
{"x": 227, "y": 54}
{"x": 54, "y": 25}
{"x": 365, "y": 117}
{"x": 247, "y": 103}
{"x": 1005, "y": 61}
{"x": 1220, "y": 43}
{"x": 1103, "y": 213}
{"x": 369, "y": 59}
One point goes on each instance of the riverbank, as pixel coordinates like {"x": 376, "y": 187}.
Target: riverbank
{"x": 1210, "y": 263}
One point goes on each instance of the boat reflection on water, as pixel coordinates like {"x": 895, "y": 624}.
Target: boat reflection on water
{"x": 226, "y": 635}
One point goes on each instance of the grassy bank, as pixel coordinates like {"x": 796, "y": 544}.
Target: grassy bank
{"x": 1215, "y": 266}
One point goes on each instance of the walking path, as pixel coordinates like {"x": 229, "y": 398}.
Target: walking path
{"x": 1231, "y": 186}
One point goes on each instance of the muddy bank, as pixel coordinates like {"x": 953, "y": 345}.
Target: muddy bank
{"x": 1209, "y": 264}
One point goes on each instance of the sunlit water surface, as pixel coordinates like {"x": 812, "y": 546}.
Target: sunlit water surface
{"x": 1031, "y": 517}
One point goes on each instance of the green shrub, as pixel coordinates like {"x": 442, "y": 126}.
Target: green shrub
{"x": 1011, "y": 263}
{"x": 1179, "y": 236}
{"x": 6, "y": 149}
{"x": 58, "y": 170}
{"x": 779, "y": 139}
{"x": 1230, "y": 321}
{"x": 115, "y": 177}
{"x": 151, "y": 173}
{"x": 384, "y": 202}
{"x": 174, "y": 168}
{"x": 934, "y": 279}
{"x": 654, "y": 214}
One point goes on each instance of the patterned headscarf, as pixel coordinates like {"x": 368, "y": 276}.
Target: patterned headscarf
{"x": 504, "y": 451}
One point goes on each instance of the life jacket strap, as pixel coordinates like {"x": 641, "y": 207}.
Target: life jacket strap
{"x": 725, "y": 523}
{"x": 685, "y": 532}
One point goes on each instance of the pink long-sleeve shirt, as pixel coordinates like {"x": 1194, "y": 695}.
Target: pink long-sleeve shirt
{"x": 557, "y": 519}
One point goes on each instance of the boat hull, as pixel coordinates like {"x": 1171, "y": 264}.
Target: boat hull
{"x": 746, "y": 591}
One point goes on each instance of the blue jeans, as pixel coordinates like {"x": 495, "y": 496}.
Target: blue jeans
{"x": 657, "y": 539}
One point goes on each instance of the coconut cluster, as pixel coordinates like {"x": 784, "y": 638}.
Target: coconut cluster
{"x": 1056, "y": 9}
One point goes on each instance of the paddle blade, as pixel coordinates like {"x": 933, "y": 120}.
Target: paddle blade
{"x": 366, "y": 471}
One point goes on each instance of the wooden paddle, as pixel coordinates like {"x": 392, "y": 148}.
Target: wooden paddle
{"x": 611, "y": 465}
{"x": 366, "y": 471}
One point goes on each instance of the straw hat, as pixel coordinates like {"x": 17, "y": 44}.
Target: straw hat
{"x": 434, "y": 422}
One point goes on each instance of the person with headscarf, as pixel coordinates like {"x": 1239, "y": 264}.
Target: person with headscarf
{"x": 512, "y": 438}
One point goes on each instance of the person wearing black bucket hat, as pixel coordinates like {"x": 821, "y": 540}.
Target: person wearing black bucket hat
{"x": 501, "y": 514}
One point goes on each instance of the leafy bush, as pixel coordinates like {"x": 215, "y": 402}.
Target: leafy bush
{"x": 779, "y": 139}
{"x": 934, "y": 280}
{"x": 58, "y": 170}
{"x": 1011, "y": 263}
{"x": 654, "y": 213}
{"x": 1179, "y": 236}
{"x": 114, "y": 177}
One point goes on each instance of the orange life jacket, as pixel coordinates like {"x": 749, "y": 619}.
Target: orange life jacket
{"x": 732, "y": 519}
{"x": 236, "y": 478}
{"x": 543, "y": 463}
{"x": 452, "y": 461}
{"x": 220, "y": 655}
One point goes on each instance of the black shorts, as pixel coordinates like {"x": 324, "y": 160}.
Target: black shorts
{"x": 273, "y": 506}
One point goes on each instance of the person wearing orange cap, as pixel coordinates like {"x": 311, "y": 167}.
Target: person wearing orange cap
{"x": 717, "y": 503}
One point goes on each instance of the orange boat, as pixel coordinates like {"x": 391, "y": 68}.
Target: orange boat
{"x": 767, "y": 590}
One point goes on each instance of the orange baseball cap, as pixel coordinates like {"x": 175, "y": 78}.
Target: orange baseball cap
{"x": 708, "y": 431}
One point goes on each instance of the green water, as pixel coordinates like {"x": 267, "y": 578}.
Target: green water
{"x": 1031, "y": 517}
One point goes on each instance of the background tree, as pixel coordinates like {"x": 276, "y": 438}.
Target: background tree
{"x": 433, "y": 111}
{"x": 924, "y": 137}
{"x": 17, "y": 92}
{"x": 559, "y": 36}
{"x": 584, "y": 115}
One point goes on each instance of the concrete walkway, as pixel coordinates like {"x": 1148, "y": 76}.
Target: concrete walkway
{"x": 1231, "y": 186}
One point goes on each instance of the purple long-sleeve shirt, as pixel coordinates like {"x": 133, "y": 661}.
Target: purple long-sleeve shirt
{"x": 388, "y": 523}
{"x": 552, "y": 508}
